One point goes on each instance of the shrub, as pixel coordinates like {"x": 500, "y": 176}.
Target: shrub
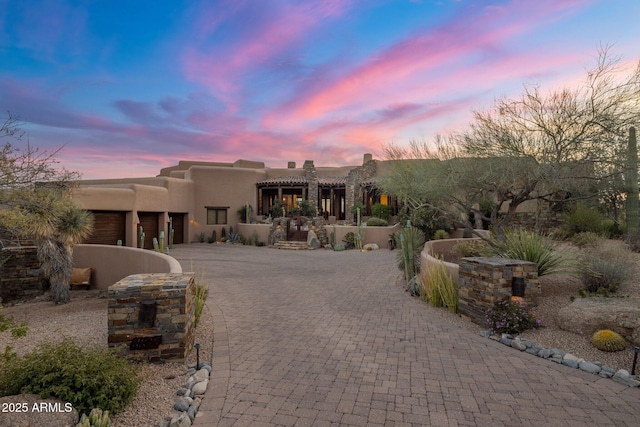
{"x": 94, "y": 378}
{"x": 440, "y": 234}
{"x": 605, "y": 267}
{"x": 339, "y": 247}
{"x": 202, "y": 291}
{"x": 586, "y": 238}
{"x": 582, "y": 219}
{"x": 510, "y": 317}
{"x": 413, "y": 287}
{"x": 377, "y": 222}
{"x": 471, "y": 248}
{"x": 438, "y": 288}
{"x": 607, "y": 340}
{"x": 381, "y": 211}
{"x": 530, "y": 246}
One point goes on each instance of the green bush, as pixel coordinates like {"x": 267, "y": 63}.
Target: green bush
{"x": 530, "y": 246}
{"x": 94, "y": 378}
{"x": 377, "y": 222}
{"x": 510, "y": 317}
{"x": 440, "y": 234}
{"x": 471, "y": 248}
{"x": 605, "y": 267}
{"x": 582, "y": 219}
{"x": 381, "y": 211}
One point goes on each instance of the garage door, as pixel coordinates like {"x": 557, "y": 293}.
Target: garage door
{"x": 149, "y": 223}
{"x": 178, "y": 227}
{"x": 108, "y": 228}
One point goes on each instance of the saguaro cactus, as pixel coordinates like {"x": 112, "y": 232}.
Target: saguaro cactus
{"x": 633, "y": 197}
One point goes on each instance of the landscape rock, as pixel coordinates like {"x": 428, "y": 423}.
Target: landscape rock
{"x": 312, "y": 240}
{"x": 201, "y": 375}
{"x": 182, "y": 404}
{"x": 622, "y": 376}
{"x": 587, "y": 315}
{"x": 371, "y": 247}
{"x": 181, "y": 420}
{"x": 589, "y": 367}
{"x": 200, "y": 388}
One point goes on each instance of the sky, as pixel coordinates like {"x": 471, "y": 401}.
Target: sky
{"x": 129, "y": 87}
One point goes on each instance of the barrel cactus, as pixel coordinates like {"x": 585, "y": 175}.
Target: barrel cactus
{"x": 607, "y": 340}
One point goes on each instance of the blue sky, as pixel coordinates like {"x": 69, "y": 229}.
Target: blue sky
{"x": 131, "y": 87}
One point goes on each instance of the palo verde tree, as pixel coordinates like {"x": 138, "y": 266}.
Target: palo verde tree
{"x": 550, "y": 146}
{"x": 36, "y": 205}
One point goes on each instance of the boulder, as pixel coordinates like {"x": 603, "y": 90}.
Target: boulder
{"x": 312, "y": 240}
{"x": 24, "y": 410}
{"x": 585, "y": 316}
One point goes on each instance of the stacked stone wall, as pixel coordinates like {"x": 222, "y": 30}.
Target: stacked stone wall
{"x": 483, "y": 282}
{"x": 173, "y": 294}
{"x": 21, "y": 276}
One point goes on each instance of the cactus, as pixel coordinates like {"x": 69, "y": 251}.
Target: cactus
{"x": 633, "y": 197}
{"x": 607, "y": 340}
{"x": 97, "y": 418}
{"x": 162, "y": 242}
{"x": 141, "y": 236}
{"x": 332, "y": 237}
{"x": 155, "y": 244}
{"x": 223, "y": 234}
{"x": 360, "y": 235}
{"x": 171, "y": 233}
{"x": 214, "y": 236}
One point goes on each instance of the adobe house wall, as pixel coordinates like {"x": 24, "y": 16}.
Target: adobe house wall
{"x": 221, "y": 187}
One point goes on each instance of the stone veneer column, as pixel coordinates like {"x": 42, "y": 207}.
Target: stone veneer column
{"x": 483, "y": 282}
{"x": 173, "y": 294}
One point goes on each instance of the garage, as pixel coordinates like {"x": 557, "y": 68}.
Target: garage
{"x": 108, "y": 228}
{"x": 178, "y": 227}
{"x": 150, "y": 224}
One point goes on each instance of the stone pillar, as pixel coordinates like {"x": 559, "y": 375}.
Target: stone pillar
{"x": 168, "y": 333}
{"x": 483, "y": 282}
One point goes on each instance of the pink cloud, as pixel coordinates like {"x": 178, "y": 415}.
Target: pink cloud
{"x": 422, "y": 57}
{"x": 267, "y": 38}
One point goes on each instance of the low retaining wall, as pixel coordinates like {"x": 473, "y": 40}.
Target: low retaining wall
{"x": 377, "y": 235}
{"x": 153, "y": 315}
{"x": 262, "y": 230}
{"x": 113, "y": 263}
{"x": 21, "y": 277}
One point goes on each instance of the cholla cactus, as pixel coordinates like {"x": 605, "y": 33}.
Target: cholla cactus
{"x": 97, "y": 418}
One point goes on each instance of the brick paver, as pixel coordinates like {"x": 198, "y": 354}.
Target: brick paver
{"x": 328, "y": 338}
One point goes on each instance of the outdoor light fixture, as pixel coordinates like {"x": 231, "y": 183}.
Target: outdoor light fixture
{"x": 517, "y": 287}
{"x": 636, "y": 351}
{"x": 197, "y": 347}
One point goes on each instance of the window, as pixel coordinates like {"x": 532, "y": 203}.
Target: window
{"x": 216, "y": 215}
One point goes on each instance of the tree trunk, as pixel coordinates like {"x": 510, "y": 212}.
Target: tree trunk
{"x": 633, "y": 202}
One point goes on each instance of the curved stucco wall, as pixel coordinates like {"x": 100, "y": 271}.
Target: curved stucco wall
{"x": 112, "y": 263}
{"x": 434, "y": 247}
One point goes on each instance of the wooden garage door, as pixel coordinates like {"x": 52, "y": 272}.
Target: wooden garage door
{"x": 108, "y": 228}
{"x": 149, "y": 223}
{"x": 178, "y": 227}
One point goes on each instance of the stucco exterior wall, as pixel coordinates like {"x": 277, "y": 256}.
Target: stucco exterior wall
{"x": 222, "y": 187}
{"x": 113, "y": 263}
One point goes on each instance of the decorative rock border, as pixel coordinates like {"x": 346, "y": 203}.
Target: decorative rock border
{"x": 621, "y": 376}
{"x": 190, "y": 396}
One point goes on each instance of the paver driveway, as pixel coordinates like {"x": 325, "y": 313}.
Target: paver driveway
{"x": 328, "y": 338}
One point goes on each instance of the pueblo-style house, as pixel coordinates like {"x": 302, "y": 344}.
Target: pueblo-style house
{"x": 199, "y": 197}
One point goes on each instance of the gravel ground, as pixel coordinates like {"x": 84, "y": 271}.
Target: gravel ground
{"x": 84, "y": 318}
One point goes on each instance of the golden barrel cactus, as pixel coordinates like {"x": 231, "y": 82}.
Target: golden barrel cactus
{"x": 607, "y": 340}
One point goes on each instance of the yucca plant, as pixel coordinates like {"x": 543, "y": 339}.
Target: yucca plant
{"x": 411, "y": 242}
{"x": 97, "y": 418}
{"x": 533, "y": 247}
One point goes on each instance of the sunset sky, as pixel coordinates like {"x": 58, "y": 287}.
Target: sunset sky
{"x": 129, "y": 87}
